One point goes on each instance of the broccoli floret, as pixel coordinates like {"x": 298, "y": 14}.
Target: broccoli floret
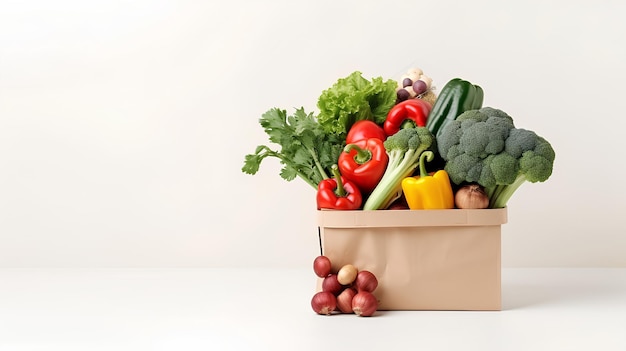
{"x": 484, "y": 146}
{"x": 404, "y": 149}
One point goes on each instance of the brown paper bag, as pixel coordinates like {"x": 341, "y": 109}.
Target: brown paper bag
{"x": 424, "y": 260}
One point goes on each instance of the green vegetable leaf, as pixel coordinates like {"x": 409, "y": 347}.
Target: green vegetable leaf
{"x": 355, "y": 98}
{"x": 288, "y": 173}
{"x": 306, "y": 150}
{"x": 252, "y": 163}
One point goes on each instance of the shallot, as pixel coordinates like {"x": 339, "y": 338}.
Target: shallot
{"x": 344, "y": 300}
{"x": 364, "y": 304}
{"x": 331, "y": 284}
{"x": 366, "y": 281}
{"x": 324, "y": 302}
{"x": 321, "y": 266}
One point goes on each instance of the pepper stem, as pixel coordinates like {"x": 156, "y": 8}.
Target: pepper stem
{"x": 362, "y": 155}
{"x": 340, "y": 191}
{"x": 428, "y": 155}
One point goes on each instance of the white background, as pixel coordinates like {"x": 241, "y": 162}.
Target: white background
{"x": 123, "y": 125}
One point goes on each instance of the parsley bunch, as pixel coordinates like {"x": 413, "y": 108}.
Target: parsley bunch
{"x": 306, "y": 150}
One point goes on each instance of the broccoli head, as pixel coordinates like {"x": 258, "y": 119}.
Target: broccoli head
{"x": 484, "y": 146}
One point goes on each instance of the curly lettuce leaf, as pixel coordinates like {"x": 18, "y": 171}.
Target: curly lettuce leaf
{"x": 355, "y": 98}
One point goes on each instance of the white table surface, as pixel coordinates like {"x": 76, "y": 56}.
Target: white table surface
{"x": 269, "y": 309}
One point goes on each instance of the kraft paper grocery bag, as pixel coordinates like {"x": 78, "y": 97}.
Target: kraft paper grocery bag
{"x": 423, "y": 259}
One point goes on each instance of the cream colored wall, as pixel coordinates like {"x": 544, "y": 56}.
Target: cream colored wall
{"x": 123, "y": 126}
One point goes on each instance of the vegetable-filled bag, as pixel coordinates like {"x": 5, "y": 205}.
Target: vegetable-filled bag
{"x": 423, "y": 259}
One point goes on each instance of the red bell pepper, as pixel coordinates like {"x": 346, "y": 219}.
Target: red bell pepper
{"x": 407, "y": 114}
{"x": 364, "y": 163}
{"x": 338, "y": 193}
{"x": 365, "y": 129}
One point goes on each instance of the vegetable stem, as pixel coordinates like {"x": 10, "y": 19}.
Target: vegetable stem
{"x": 270, "y": 152}
{"x": 318, "y": 164}
{"x": 362, "y": 155}
{"x": 340, "y": 191}
{"x": 503, "y": 193}
{"x": 428, "y": 155}
{"x": 391, "y": 183}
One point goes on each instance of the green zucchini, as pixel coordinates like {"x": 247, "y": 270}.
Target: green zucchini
{"x": 456, "y": 97}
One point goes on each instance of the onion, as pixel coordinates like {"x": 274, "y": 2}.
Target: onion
{"x": 364, "y": 304}
{"x": 331, "y": 284}
{"x": 366, "y": 281}
{"x": 344, "y": 300}
{"x": 324, "y": 303}
{"x": 321, "y": 266}
{"x": 347, "y": 274}
{"x": 471, "y": 196}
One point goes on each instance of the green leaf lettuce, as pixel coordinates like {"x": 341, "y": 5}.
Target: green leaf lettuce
{"x": 355, "y": 98}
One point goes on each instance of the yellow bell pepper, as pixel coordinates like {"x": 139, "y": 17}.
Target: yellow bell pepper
{"x": 428, "y": 192}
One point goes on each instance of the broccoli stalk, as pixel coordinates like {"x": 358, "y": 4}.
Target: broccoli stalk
{"x": 535, "y": 165}
{"x": 404, "y": 149}
{"x": 499, "y": 195}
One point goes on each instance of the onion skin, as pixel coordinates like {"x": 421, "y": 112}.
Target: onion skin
{"x": 364, "y": 304}
{"x": 324, "y": 303}
{"x": 471, "y": 196}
